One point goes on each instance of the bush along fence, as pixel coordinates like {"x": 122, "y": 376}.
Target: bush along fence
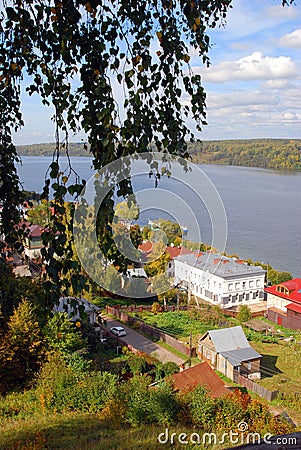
{"x": 151, "y": 331}
{"x": 254, "y": 387}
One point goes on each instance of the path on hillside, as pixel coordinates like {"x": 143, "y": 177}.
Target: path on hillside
{"x": 143, "y": 344}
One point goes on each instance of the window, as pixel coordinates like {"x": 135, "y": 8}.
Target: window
{"x": 237, "y": 285}
{"x": 254, "y": 294}
{"x": 240, "y": 298}
{"x": 220, "y": 285}
{"x": 243, "y": 284}
{"x": 257, "y": 283}
{"x": 230, "y": 286}
{"x": 208, "y": 294}
{"x": 247, "y": 296}
{"x": 251, "y": 283}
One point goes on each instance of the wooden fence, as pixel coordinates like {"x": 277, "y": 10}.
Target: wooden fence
{"x": 254, "y": 387}
{"x": 154, "y": 332}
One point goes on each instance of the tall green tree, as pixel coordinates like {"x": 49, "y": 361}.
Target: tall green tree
{"x": 62, "y": 335}
{"x": 71, "y": 51}
{"x": 21, "y": 347}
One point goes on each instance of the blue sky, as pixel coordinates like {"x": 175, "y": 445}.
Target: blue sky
{"x": 253, "y": 85}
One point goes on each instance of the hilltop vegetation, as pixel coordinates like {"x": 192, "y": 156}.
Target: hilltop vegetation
{"x": 278, "y": 154}
{"x": 47, "y": 149}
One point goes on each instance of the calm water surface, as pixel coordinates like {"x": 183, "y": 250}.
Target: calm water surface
{"x": 263, "y": 208}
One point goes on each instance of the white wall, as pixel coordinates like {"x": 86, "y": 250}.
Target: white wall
{"x": 273, "y": 301}
{"x": 242, "y": 289}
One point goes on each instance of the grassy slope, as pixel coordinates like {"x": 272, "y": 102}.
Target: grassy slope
{"x": 82, "y": 432}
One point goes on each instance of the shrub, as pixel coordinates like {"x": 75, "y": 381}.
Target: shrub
{"x": 150, "y": 405}
{"x": 156, "y": 308}
{"x": 244, "y": 313}
{"x": 201, "y": 407}
{"x": 60, "y": 388}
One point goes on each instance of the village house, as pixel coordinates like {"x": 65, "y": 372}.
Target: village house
{"x": 33, "y": 241}
{"x": 284, "y": 303}
{"x": 75, "y": 307}
{"x": 219, "y": 280}
{"x": 200, "y": 375}
{"x": 174, "y": 252}
{"x": 228, "y": 351}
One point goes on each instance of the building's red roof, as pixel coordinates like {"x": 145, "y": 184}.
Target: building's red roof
{"x": 146, "y": 247}
{"x": 293, "y": 286}
{"x": 36, "y": 230}
{"x": 203, "y": 375}
{"x": 176, "y": 251}
{"x": 294, "y": 307}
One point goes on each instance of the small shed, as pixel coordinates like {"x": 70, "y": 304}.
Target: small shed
{"x": 228, "y": 350}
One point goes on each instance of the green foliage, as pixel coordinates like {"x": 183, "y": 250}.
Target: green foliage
{"x": 171, "y": 229}
{"x": 136, "y": 235}
{"x": 201, "y": 408}
{"x": 61, "y": 388}
{"x": 280, "y": 154}
{"x": 127, "y": 211}
{"x": 21, "y": 348}
{"x": 156, "y": 308}
{"x": 244, "y": 313}
{"x": 276, "y": 277}
{"x": 39, "y": 213}
{"x": 62, "y": 335}
{"x": 181, "y": 323}
{"x": 166, "y": 369}
{"x": 67, "y": 53}
{"x": 159, "y": 262}
{"x": 144, "y": 405}
{"x": 14, "y": 289}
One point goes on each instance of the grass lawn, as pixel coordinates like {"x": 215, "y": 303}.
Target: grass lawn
{"x": 180, "y": 324}
{"x": 72, "y": 431}
{"x": 281, "y": 368}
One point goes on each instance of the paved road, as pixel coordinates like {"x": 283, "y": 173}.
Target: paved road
{"x": 142, "y": 343}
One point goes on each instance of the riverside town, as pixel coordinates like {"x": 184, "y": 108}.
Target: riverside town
{"x": 150, "y": 211}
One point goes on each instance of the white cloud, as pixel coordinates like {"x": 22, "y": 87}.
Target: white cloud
{"x": 277, "y": 84}
{"x": 280, "y": 13}
{"x": 291, "y": 40}
{"x": 251, "y": 67}
{"x": 240, "y": 98}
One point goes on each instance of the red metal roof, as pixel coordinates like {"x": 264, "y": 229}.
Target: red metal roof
{"x": 36, "y": 230}
{"x": 176, "y": 251}
{"x": 203, "y": 375}
{"x": 294, "y": 287}
{"x": 294, "y": 307}
{"x": 146, "y": 247}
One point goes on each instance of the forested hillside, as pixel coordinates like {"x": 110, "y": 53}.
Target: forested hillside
{"x": 47, "y": 149}
{"x": 279, "y": 154}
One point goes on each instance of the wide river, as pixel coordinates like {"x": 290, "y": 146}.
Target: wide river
{"x": 263, "y": 207}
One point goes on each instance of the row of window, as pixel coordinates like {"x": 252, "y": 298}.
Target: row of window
{"x": 243, "y": 297}
{"x": 244, "y": 284}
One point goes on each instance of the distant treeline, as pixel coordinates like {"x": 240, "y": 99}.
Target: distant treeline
{"x": 279, "y": 154}
{"x": 48, "y": 149}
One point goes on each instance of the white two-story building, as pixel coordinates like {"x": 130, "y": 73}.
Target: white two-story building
{"x": 220, "y": 280}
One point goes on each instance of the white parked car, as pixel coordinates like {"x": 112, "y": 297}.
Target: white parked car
{"x": 118, "y": 331}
